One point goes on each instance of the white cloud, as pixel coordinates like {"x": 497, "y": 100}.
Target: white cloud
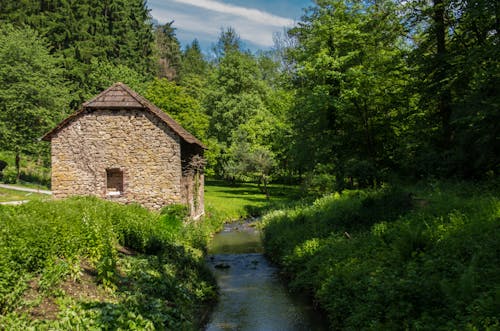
{"x": 251, "y": 14}
{"x": 186, "y": 21}
{"x": 203, "y": 19}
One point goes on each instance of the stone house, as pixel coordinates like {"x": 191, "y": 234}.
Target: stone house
{"x": 121, "y": 147}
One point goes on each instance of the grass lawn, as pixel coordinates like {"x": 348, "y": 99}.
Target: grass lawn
{"x": 227, "y": 201}
{"x": 232, "y": 201}
{"x": 13, "y": 195}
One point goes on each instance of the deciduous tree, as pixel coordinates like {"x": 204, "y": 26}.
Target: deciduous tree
{"x": 33, "y": 95}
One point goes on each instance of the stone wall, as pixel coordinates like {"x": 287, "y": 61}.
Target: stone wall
{"x": 134, "y": 142}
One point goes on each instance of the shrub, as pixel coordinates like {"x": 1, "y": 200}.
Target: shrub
{"x": 9, "y": 175}
{"x": 382, "y": 260}
{"x": 175, "y": 211}
{"x": 320, "y": 181}
{"x": 160, "y": 284}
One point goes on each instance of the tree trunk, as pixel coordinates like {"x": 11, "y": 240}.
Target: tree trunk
{"x": 444, "y": 95}
{"x": 18, "y": 167}
{"x": 266, "y": 190}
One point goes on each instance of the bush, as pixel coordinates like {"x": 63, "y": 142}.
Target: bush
{"x": 388, "y": 260}
{"x": 161, "y": 283}
{"x": 9, "y": 175}
{"x": 175, "y": 211}
{"x": 320, "y": 181}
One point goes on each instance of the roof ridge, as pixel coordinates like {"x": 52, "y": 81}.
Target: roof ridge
{"x": 132, "y": 93}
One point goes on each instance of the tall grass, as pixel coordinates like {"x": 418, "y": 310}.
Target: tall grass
{"x": 422, "y": 258}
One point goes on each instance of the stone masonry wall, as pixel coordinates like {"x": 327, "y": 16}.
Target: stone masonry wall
{"x": 136, "y": 142}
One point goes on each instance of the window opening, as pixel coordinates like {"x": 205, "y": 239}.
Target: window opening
{"x": 114, "y": 182}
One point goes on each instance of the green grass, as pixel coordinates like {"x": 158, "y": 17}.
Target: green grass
{"x": 241, "y": 200}
{"x": 13, "y": 195}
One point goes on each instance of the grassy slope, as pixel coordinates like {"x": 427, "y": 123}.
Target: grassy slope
{"x": 86, "y": 263}
{"x": 384, "y": 260}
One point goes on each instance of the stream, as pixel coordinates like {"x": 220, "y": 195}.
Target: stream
{"x": 252, "y": 296}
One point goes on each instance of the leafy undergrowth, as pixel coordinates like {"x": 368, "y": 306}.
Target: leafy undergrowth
{"x": 423, "y": 258}
{"x": 84, "y": 263}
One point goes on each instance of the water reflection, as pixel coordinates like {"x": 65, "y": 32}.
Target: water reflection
{"x": 252, "y": 296}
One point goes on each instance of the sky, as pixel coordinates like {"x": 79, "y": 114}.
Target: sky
{"x": 256, "y": 21}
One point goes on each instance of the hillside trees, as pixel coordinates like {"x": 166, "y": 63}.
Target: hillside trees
{"x": 169, "y": 51}
{"x": 193, "y": 61}
{"x": 115, "y": 32}
{"x": 33, "y": 96}
{"x": 385, "y": 88}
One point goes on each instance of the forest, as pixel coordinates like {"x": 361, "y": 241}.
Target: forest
{"x": 363, "y": 104}
{"x": 355, "y": 94}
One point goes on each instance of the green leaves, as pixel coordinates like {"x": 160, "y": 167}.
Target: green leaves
{"x": 33, "y": 97}
{"x": 116, "y": 32}
{"x": 380, "y": 259}
{"x": 100, "y": 265}
{"x": 349, "y": 78}
{"x": 180, "y": 104}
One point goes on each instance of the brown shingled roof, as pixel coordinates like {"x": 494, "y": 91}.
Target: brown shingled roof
{"x": 121, "y": 96}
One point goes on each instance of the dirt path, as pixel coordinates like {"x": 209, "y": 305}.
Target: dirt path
{"x": 15, "y": 203}
{"x": 25, "y": 189}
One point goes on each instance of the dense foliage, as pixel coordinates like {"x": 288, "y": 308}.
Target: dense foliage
{"x": 116, "y": 32}
{"x": 424, "y": 258}
{"x": 146, "y": 270}
{"x": 356, "y": 93}
{"x": 386, "y": 88}
{"x": 33, "y": 96}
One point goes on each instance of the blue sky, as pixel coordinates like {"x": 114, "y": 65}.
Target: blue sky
{"x": 255, "y": 20}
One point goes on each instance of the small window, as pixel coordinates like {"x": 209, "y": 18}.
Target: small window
{"x": 114, "y": 182}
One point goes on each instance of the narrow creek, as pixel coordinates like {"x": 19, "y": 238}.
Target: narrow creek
{"x": 252, "y": 297}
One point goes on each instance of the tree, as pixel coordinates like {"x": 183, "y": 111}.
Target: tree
{"x": 33, "y": 96}
{"x": 455, "y": 59}
{"x": 235, "y": 95}
{"x": 114, "y": 31}
{"x": 175, "y": 100}
{"x": 193, "y": 61}
{"x": 246, "y": 161}
{"x": 228, "y": 41}
{"x": 248, "y": 111}
{"x": 103, "y": 74}
{"x": 169, "y": 51}
{"x": 350, "y": 74}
